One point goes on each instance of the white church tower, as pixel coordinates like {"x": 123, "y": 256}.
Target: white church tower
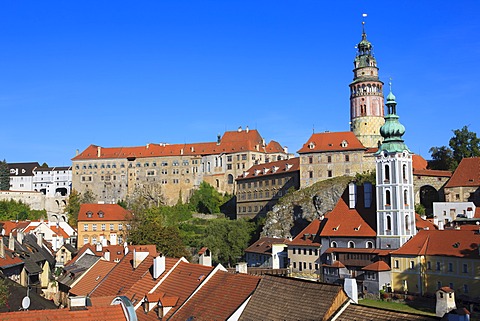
{"x": 395, "y": 198}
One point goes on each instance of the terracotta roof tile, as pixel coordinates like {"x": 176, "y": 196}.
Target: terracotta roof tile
{"x": 92, "y": 277}
{"x": 422, "y": 224}
{"x": 457, "y": 243}
{"x": 106, "y": 313}
{"x": 111, "y": 212}
{"x": 9, "y": 259}
{"x": 272, "y": 168}
{"x": 59, "y": 231}
{"x": 335, "y": 264}
{"x": 309, "y": 236}
{"x": 378, "y": 266}
{"x": 224, "y": 292}
{"x": 364, "y": 313}
{"x": 350, "y": 222}
{"x": 331, "y": 141}
{"x": 466, "y": 174}
{"x": 264, "y": 245}
{"x": 182, "y": 281}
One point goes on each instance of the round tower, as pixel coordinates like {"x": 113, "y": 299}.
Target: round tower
{"x": 366, "y": 96}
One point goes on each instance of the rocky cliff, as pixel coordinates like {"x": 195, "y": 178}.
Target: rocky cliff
{"x": 297, "y": 209}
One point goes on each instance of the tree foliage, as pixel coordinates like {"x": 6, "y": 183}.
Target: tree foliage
{"x": 227, "y": 239}
{"x": 75, "y": 199}
{"x": 4, "y": 292}
{"x": 207, "y": 200}
{"x": 148, "y": 229}
{"x": 4, "y": 176}
{"x": 368, "y": 176}
{"x": 463, "y": 144}
{"x": 17, "y": 210}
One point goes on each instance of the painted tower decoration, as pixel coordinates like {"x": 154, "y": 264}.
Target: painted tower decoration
{"x": 395, "y": 198}
{"x": 366, "y": 95}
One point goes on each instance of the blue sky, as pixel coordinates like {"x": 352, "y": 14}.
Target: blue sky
{"x": 126, "y": 73}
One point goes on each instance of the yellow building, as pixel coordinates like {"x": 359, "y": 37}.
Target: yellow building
{"x": 436, "y": 258}
{"x": 102, "y": 223}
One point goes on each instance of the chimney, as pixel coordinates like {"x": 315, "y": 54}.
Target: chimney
{"x": 99, "y": 151}
{"x": 158, "y": 266}
{"x": 241, "y": 267}
{"x": 20, "y": 237}
{"x": 77, "y": 152}
{"x": 98, "y": 247}
{"x": 352, "y": 195}
{"x": 125, "y": 248}
{"x": 2, "y": 247}
{"x": 11, "y": 242}
{"x": 148, "y": 146}
{"x": 181, "y": 151}
{"x": 351, "y": 289}
{"x": 138, "y": 257}
{"x": 40, "y": 239}
{"x": 239, "y": 129}
{"x": 219, "y": 138}
{"x": 106, "y": 255}
{"x": 247, "y": 129}
{"x": 104, "y": 241}
{"x": 440, "y": 225}
{"x": 285, "y": 149}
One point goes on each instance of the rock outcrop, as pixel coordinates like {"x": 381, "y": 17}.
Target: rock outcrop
{"x": 297, "y": 209}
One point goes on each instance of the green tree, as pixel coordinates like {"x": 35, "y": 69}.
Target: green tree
{"x": 4, "y": 292}
{"x": 44, "y": 165}
{"x": 4, "y": 176}
{"x": 419, "y": 209}
{"x": 147, "y": 230}
{"x": 75, "y": 199}
{"x": 368, "y": 176}
{"x": 227, "y": 239}
{"x": 207, "y": 200}
{"x": 17, "y": 210}
{"x": 464, "y": 143}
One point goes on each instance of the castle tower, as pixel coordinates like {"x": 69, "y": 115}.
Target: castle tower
{"x": 366, "y": 96}
{"x": 395, "y": 197}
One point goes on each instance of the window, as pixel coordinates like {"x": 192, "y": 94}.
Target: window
{"x": 229, "y": 158}
{"x": 389, "y": 223}
{"x": 294, "y": 265}
{"x": 310, "y": 174}
{"x": 387, "y": 173}
{"x": 120, "y": 227}
{"x": 100, "y": 214}
{"x": 407, "y": 223}
{"x": 244, "y": 156}
{"x": 333, "y": 244}
{"x": 85, "y": 227}
{"x": 465, "y": 268}
{"x": 388, "y": 200}
{"x": 293, "y": 250}
{"x": 369, "y": 245}
{"x": 396, "y": 264}
{"x": 103, "y": 227}
{"x": 94, "y": 227}
{"x": 465, "y": 288}
{"x": 412, "y": 265}
{"x": 89, "y": 214}
{"x": 439, "y": 266}
{"x": 111, "y": 227}
{"x": 85, "y": 240}
{"x": 329, "y": 159}
{"x": 310, "y": 252}
{"x": 450, "y": 267}
{"x": 404, "y": 172}
{"x": 351, "y": 244}
{"x": 429, "y": 265}
{"x": 347, "y": 158}
{"x": 310, "y": 160}
{"x": 329, "y": 173}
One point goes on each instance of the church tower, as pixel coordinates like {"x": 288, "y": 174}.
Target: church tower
{"x": 366, "y": 96}
{"x": 395, "y": 198}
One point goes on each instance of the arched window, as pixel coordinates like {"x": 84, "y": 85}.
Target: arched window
{"x": 389, "y": 223}
{"x": 387, "y": 173}
{"x": 388, "y": 200}
{"x": 407, "y": 223}
{"x": 351, "y": 244}
{"x": 405, "y": 197}
{"x": 369, "y": 245}
{"x": 333, "y": 244}
{"x": 404, "y": 172}
{"x": 230, "y": 179}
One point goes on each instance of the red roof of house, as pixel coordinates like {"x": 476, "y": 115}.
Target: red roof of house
{"x": 272, "y": 168}
{"x": 9, "y": 259}
{"x": 350, "y": 222}
{"x": 123, "y": 279}
{"x": 422, "y": 224}
{"x": 466, "y": 174}
{"x": 92, "y": 277}
{"x": 420, "y": 168}
{"x": 309, "y": 236}
{"x": 106, "y": 313}
{"x": 224, "y": 292}
{"x": 264, "y": 245}
{"x": 335, "y": 264}
{"x": 457, "y": 243}
{"x": 231, "y": 142}
{"x": 111, "y": 212}
{"x": 182, "y": 281}
{"x": 378, "y": 266}
{"x": 59, "y": 231}
{"x": 330, "y": 142}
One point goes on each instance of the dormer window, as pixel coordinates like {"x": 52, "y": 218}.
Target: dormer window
{"x": 311, "y": 145}
{"x": 275, "y": 169}
{"x": 344, "y": 144}
{"x": 100, "y": 214}
{"x": 89, "y": 214}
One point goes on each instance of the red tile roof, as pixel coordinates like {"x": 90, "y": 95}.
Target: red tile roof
{"x": 335, "y": 264}
{"x": 123, "y": 279}
{"x": 272, "y": 168}
{"x": 224, "y": 292}
{"x": 231, "y": 142}
{"x": 182, "y": 281}
{"x": 309, "y": 236}
{"x": 264, "y": 245}
{"x": 106, "y": 313}
{"x": 59, "y": 231}
{"x": 350, "y": 222}
{"x": 466, "y": 174}
{"x": 378, "y": 266}
{"x": 9, "y": 259}
{"x": 111, "y": 212}
{"x": 331, "y": 141}
{"x": 92, "y": 277}
{"x": 457, "y": 243}
{"x": 422, "y": 224}
{"x": 420, "y": 168}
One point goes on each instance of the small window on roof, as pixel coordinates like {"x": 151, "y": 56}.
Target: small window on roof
{"x": 344, "y": 144}
{"x": 311, "y": 145}
{"x": 100, "y": 214}
{"x": 89, "y": 214}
